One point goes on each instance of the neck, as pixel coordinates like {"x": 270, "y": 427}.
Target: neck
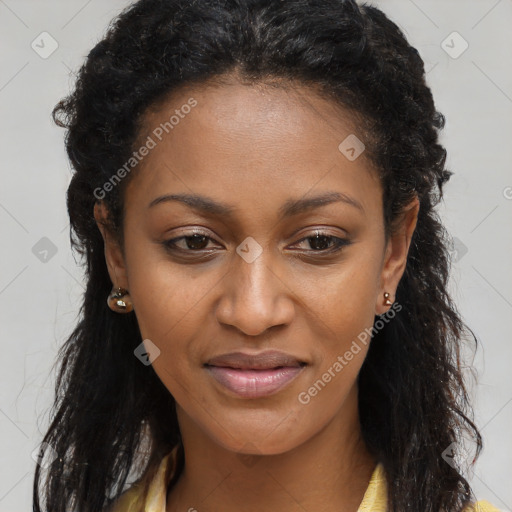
{"x": 330, "y": 472}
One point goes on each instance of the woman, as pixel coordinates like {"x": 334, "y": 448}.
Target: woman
{"x": 266, "y": 324}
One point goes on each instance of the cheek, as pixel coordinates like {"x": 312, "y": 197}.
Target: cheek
{"x": 344, "y": 300}
{"x": 168, "y": 310}
{"x": 166, "y": 296}
{"x": 168, "y": 305}
{"x": 344, "y": 315}
{"x": 344, "y": 309}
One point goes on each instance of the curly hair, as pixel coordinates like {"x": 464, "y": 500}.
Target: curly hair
{"x": 413, "y": 402}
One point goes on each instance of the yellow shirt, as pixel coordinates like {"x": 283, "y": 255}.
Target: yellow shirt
{"x": 374, "y": 499}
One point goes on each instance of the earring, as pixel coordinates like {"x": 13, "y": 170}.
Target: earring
{"x": 387, "y": 302}
{"x": 119, "y": 300}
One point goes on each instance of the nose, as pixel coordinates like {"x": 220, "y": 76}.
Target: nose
{"x": 256, "y": 296}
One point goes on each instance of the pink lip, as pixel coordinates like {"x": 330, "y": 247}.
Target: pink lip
{"x": 251, "y": 383}
{"x": 267, "y": 360}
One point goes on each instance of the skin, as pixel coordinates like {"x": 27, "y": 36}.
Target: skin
{"x": 254, "y": 148}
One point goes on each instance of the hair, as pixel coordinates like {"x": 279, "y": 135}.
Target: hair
{"x": 413, "y": 402}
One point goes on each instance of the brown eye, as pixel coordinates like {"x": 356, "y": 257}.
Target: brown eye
{"x": 193, "y": 242}
{"x": 320, "y": 242}
{"x": 324, "y": 243}
{"x": 196, "y": 241}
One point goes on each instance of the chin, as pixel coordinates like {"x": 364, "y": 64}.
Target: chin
{"x": 273, "y": 438}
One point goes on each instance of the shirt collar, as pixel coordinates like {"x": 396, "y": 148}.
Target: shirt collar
{"x": 374, "y": 499}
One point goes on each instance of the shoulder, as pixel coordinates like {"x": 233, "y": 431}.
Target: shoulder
{"x": 481, "y": 506}
{"x": 150, "y": 489}
{"x": 376, "y": 498}
{"x": 128, "y": 501}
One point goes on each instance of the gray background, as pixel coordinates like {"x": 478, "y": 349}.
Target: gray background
{"x": 40, "y": 293}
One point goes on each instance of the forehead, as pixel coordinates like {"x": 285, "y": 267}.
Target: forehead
{"x": 248, "y": 143}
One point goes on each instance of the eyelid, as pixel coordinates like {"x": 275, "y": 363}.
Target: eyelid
{"x": 309, "y": 234}
{"x": 170, "y": 243}
{"x": 338, "y": 242}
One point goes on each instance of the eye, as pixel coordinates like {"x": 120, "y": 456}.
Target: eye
{"x": 323, "y": 242}
{"x": 192, "y": 242}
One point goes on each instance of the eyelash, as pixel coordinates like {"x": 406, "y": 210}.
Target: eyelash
{"x": 339, "y": 243}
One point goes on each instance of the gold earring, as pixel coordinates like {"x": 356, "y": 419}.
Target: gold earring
{"x": 119, "y": 300}
{"x": 387, "y": 302}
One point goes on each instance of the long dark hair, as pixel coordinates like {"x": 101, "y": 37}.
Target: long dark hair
{"x": 113, "y": 419}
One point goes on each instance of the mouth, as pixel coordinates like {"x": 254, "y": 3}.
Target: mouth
{"x": 254, "y": 375}
{"x": 268, "y": 360}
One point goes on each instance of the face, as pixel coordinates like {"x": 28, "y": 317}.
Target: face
{"x": 274, "y": 241}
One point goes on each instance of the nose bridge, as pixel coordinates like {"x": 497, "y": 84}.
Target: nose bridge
{"x": 255, "y": 272}
{"x": 255, "y": 298}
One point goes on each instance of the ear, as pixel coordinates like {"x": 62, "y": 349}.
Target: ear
{"x": 113, "y": 253}
{"x": 395, "y": 258}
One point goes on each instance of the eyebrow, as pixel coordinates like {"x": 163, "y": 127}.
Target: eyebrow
{"x": 288, "y": 209}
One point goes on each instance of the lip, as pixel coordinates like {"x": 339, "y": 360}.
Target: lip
{"x": 261, "y": 361}
{"x": 254, "y": 383}
{"x": 254, "y": 375}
